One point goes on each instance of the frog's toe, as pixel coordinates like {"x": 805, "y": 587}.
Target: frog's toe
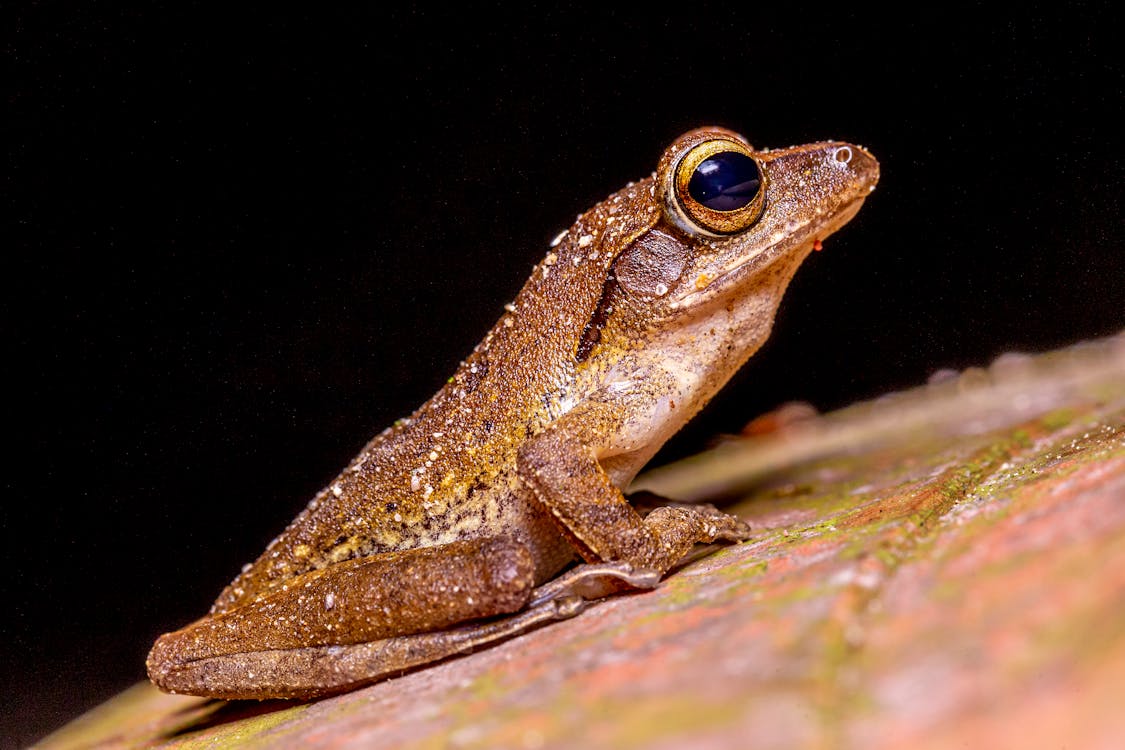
{"x": 739, "y": 532}
{"x": 722, "y": 526}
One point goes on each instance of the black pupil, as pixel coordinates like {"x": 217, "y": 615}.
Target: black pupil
{"x": 726, "y": 181}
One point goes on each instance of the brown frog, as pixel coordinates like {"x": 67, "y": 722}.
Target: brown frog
{"x": 450, "y": 529}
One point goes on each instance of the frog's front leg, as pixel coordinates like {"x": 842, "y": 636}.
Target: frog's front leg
{"x": 561, "y": 466}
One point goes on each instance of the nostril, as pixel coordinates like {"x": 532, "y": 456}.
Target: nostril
{"x": 843, "y": 154}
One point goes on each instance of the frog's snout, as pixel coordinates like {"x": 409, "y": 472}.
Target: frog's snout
{"x": 861, "y": 164}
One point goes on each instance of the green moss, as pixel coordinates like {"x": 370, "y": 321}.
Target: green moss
{"x": 1057, "y": 419}
{"x": 642, "y": 724}
{"x": 486, "y": 687}
{"x": 245, "y": 732}
{"x": 886, "y": 556}
{"x": 677, "y": 593}
{"x": 755, "y": 569}
{"x": 821, "y": 530}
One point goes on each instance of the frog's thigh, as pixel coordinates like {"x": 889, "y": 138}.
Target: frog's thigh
{"x": 334, "y": 627}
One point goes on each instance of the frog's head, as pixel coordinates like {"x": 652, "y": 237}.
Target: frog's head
{"x": 735, "y": 224}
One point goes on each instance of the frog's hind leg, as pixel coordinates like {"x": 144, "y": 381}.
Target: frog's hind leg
{"x": 358, "y": 621}
{"x": 310, "y": 635}
{"x": 316, "y": 671}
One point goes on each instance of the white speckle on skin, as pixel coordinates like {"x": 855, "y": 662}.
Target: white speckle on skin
{"x": 559, "y": 238}
{"x": 337, "y": 490}
{"x": 551, "y": 259}
{"x": 510, "y": 307}
{"x": 415, "y": 482}
{"x": 398, "y": 518}
{"x": 329, "y": 600}
{"x": 620, "y": 386}
{"x": 585, "y": 240}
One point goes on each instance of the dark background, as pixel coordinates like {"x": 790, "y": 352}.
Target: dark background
{"x": 237, "y": 246}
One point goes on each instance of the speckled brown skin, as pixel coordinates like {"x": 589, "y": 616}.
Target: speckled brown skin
{"x": 627, "y": 327}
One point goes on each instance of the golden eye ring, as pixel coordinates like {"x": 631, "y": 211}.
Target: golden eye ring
{"x": 712, "y": 183}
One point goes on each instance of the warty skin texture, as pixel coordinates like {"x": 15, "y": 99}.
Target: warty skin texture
{"x": 632, "y": 321}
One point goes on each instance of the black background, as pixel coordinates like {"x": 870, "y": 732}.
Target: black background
{"x": 238, "y": 246}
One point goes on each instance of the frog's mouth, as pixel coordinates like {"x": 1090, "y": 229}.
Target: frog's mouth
{"x": 795, "y": 246}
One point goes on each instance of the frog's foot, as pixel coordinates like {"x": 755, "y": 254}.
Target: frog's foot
{"x": 727, "y": 528}
{"x": 714, "y": 524}
{"x": 594, "y": 581}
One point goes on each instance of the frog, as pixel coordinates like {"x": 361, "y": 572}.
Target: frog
{"x": 499, "y": 505}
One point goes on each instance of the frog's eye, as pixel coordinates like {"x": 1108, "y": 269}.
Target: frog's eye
{"x": 717, "y": 188}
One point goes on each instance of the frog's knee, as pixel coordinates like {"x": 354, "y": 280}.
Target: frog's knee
{"x": 170, "y": 653}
